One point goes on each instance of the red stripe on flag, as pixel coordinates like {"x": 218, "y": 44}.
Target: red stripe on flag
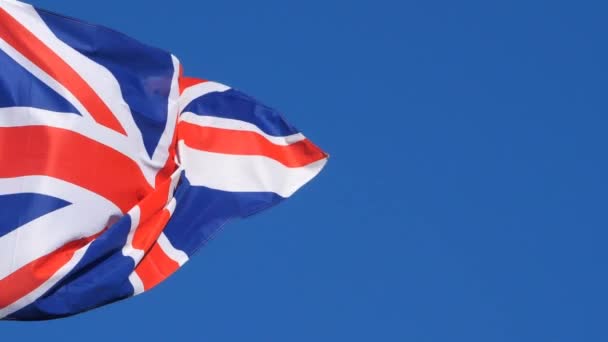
{"x": 152, "y": 217}
{"x": 155, "y": 267}
{"x": 69, "y": 156}
{"x": 228, "y": 141}
{"x": 187, "y": 82}
{"x": 24, "y": 41}
{"x": 170, "y": 165}
{"x": 31, "y": 276}
{"x": 150, "y": 229}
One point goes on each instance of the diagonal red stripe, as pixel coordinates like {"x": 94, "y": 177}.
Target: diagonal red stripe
{"x": 153, "y": 218}
{"x": 155, "y": 267}
{"x": 24, "y": 41}
{"x": 31, "y": 276}
{"x": 74, "y": 158}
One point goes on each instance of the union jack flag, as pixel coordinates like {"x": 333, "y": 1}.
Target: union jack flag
{"x": 115, "y": 167}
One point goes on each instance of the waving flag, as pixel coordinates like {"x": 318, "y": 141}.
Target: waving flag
{"x": 115, "y": 168}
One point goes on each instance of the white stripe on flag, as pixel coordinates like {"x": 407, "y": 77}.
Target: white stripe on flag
{"x": 238, "y": 125}
{"x": 138, "y": 285}
{"x": 239, "y": 173}
{"x": 128, "y": 250}
{"x": 196, "y": 91}
{"x": 30, "y": 116}
{"x": 42, "y": 289}
{"x": 175, "y": 254}
{"x": 44, "y": 78}
{"x": 161, "y": 153}
{"x": 100, "y": 79}
{"x": 89, "y": 214}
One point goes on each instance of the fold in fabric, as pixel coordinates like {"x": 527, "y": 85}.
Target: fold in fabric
{"x": 115, "y": 168}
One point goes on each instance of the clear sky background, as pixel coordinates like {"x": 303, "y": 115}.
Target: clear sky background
{"x": 466, "y": 197}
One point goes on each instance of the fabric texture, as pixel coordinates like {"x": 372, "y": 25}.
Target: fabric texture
{"x": 115, "y": 168}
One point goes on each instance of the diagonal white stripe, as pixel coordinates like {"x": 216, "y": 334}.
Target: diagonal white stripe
{"x": 196, "y": 91}
{"x": 44, "y": 78}
{"x": 175, "y": 254}
{"x": 97, "y": 77}
{"x": 138, "y": 285}
{"x": 105, "y": 85}
{"x": 42, "y": 289}
{"x": 89, "y": 214}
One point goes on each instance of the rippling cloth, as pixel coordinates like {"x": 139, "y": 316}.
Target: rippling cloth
{"x": 115, "y": 168}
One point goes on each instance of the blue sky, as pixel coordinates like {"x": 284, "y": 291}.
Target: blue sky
{"x": 466, "y": 195}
